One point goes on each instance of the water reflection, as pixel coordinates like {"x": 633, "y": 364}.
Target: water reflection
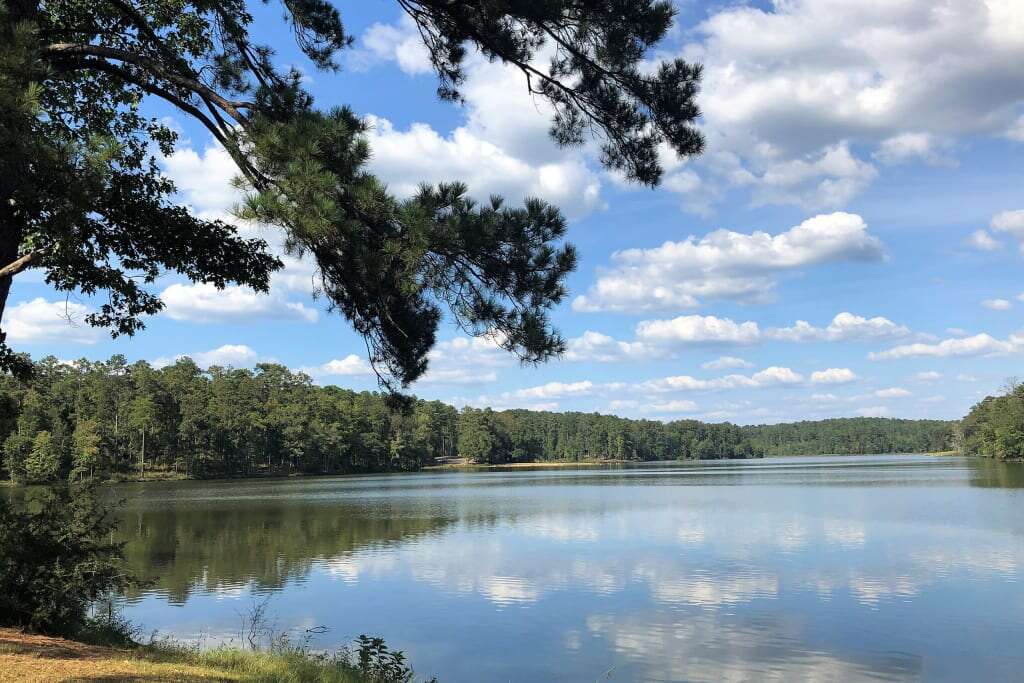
{"x": 796, "y": 569}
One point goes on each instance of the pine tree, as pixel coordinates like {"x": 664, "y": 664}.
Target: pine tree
{"x": 82, "y": 196}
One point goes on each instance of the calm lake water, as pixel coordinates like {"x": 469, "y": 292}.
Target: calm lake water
{"x": 842, "y": 568}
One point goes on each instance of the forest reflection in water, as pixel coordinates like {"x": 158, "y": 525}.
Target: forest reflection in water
{"x": 811, "y": 568}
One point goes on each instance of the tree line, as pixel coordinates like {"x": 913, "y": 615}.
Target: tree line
{"x": 87, "y": 419}
{"x": 995, "y": 426}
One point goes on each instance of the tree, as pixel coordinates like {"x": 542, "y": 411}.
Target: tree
{"x": 43, "y": 462}
{"x": 480, "y": 437}
{"x": 85, "y": 458}
{"x": 56, "y": 558}
{"x": 82, "y": 196}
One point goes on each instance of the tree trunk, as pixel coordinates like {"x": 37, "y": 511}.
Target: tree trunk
{"x": 10, "y": 176}
{"x": 10, "y": 238}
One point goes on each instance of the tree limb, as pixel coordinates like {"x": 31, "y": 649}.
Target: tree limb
{"x": 23, "y": 262}
{"x": 154, "y": 68}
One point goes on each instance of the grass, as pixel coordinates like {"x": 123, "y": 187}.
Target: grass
{"x": 32, "y": 658}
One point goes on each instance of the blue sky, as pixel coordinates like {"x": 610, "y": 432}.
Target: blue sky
{"x": 850, "y": 243}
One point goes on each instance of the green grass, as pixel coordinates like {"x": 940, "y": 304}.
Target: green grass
{"x": 286, "y": 666}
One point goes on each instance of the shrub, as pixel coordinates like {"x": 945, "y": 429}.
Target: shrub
{"x": 56, "y": 560}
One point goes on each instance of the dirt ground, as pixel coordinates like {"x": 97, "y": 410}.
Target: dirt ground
{"x": 31, "y": 659}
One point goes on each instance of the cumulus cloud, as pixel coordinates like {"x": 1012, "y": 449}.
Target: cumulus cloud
{"x": 1010, "y": 223}
{"x": 725, "y": 265}
{"x": 406, "y": 158}
{"x": 726, "y": 363}
{"x": 911, "y": 146}
{"x": 466, "y": 375}
{"x": 844, "y": 327}
{"x": 204, "y": 303}
{"x": 773, "y": 376}
{"x": 833, "y": 376}
{"x": 792, "y": 83}
{"x": 234, "y": 355}
{"x": 349, "y": 366}
{"x": 978, "y": 345}
{"x": 892, "y": 392}
{"x": 697, "y": 329}
{"x": 554, "y": 390}
{"x": 466, "y": 361}
{"x": 658, "y": 408}
{"x": 595, "y": 346}
{"x": 41, "y": 322}
{"x": 1016, "y": 130}
{"x": 928, "y": 376}
{"x": 204, "y": 179}
{"x": 983, "y": 241}
{"x": 873, "y": 411}
{"x": 386, "y": 42}
{"x": 997, "y": 304}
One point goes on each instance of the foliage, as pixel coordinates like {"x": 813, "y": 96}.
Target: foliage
{"x": 43, "y": 462}
{"x": 995, "y": 426}
{"x": 100, "y": 417}
{"x": 852, "y": 436}
{"x": 82, "y": 195}
{"x": 236, "y": 422}
{"x": 56, "y": 560}
{"x": 86, "y": 453}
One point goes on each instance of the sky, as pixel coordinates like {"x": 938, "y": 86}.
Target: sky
{"x": 850, "y": 243}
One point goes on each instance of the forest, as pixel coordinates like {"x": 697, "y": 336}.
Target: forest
{"x": 113, "y": 419}
{"x": 995, "y": 426}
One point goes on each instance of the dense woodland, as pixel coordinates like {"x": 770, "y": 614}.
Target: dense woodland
{"x": 112, "y": 418}
{"x": 995, "y": 427}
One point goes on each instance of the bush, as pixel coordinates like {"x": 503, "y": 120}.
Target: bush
{"x": 56, "y": 560}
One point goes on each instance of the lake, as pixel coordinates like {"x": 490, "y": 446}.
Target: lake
{"x": 830, "y": 568}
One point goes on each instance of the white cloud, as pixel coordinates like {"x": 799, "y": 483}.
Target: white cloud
{"x": 1011, "y": 223}
{"x": 40, "y": 322}
{"x": 406, "y": 158}
{"x": 349, "y": 366}
{"x": 873, "y": 411}
{"x": 983, "y": 241}
{"x": 833, "y": 376}
{"x": 204, "y": 303}
{"x": 594, "y": 346}
{"x": 791, "y": 83}
{"x": 466, "y": 361}
{"x": 696, "y": 329}
{"x": 997, "y": 304}
{"x": 892, "y": 392}
{"x": 234, "y": 355}
{"x": 725, "y": 265}
{"x": 828, "y": 179}
{"x": 385, "y": 42}
{"x": 676, "y": 407}
{"x": 844, "y": 327}
{"x": 978, "y": 345}
{"x": 1016, "y": 131}
{"x": 204, "y": 179}
{"x": 726, "y": 363}
{"x": 773, "y": 376}
{"x": 459, "y": 376}
{"x": 928, "y": 376}
{"x": 910, "y": 146}
{"x": 554, "y": 390}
